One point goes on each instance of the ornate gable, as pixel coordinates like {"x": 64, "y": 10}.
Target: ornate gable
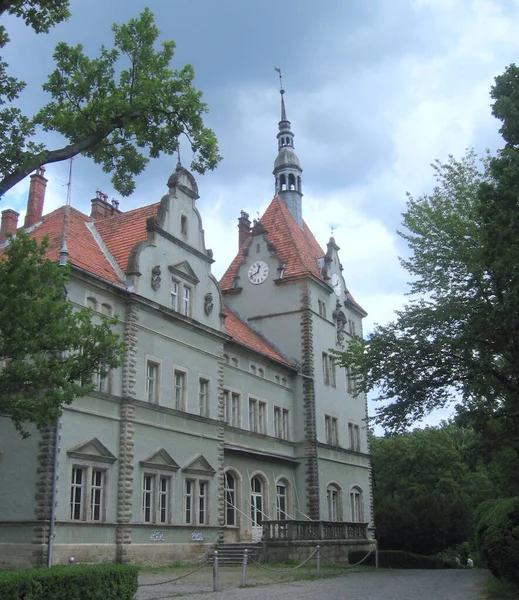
{"x": 92, "y": 450}
{"x": 199, "y": 466}
{"x": 160, "y": 460}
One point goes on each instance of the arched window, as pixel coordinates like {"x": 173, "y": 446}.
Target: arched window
{"x": 282, "y": 500}
{"x": 334, "y": 500}
{"x": 230, "y": 499}
{"x": 256, "y": 501}
{"x": 282, "y": 182}
{"x": 357, "y": 513}
{"x": 226, "y": 358}
{"x": 91, "y": 303}
{"x": 253, "y": 369}
{"x": 106, "y": 309}
{"x": 299, "y": 184}
{"x": 234, "y": 361}
{"x": 261, "y": 372}
{"x": 291, "y": 182}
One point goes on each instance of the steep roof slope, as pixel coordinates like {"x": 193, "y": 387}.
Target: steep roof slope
{"x": 296, "y": 247}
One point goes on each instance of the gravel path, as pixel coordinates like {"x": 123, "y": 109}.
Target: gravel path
{"x": 365, "y": 585}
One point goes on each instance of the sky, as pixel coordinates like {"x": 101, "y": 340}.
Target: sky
{"x": 376, "y": 90}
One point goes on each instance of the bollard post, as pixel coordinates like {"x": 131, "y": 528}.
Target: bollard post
{"x": 318, "y": 561}
{"x": 376, "y": 554}
{"x": 244, "y": 569}
{"x": 216, "y": 583}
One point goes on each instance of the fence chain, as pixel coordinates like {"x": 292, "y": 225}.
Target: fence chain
{"x": 206, "y": 562}
{"x": 283, "y": 570}
{"x": 346, "y": 567}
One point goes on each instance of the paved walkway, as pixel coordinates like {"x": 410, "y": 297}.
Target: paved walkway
{"x": 461, "y": 584}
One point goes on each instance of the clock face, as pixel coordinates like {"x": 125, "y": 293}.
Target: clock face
{"x": 258, "y": 272}
{"x": 336, "y": 284}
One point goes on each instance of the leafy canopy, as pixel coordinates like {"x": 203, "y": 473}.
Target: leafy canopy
{"x": 50, "y": 352}
{"x": 458, "y": 337}
{"x": 121, "y": 109}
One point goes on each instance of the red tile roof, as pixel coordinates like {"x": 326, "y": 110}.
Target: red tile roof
{"x": 83, "y": 250}
{"x": 296, "y": 247}
{"x": 243, "y": 334}
{"x": 121, "y": 232}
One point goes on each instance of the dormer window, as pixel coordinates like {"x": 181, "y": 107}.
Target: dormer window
{"x": 183, "y": 224}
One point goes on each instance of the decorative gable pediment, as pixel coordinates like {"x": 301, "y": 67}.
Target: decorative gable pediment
{"x": 92, "y": 450}
{"x": 199, "y": 466}
{"x": 160, "y": 460}
{"x": 184, "y": 271}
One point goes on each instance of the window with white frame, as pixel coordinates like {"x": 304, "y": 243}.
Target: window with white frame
{"x": 175, "y": 290}
{"x": 187, "y": 294}
{"x": 203, "y": 396}
{"x": 232, "y": 407}
{"x": 152, "y": 381}
{"x": 282, "y": 500}
{"x": 356, "y": 509}
{"x": 351, "y": 386}
{"x": 196, "y": 502}
{"x": 230, "y": 499}
{"x": 257, "y": 416}
{"x": 156, "y": 495}
{"x": 103, "y": 383}
{"x": 285, "y": 424}
{"x": 87, "y": 493}
{"x": 334, "y": 501}
{"x": 179, "y": 389}
{"x": 281, "y": 423}
{"x": 331, "y": 430}
{"x": 354, "y": 437}
{"x": 328, "y": 369}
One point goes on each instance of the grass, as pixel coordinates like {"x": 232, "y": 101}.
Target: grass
{"x": 499, "y": 589}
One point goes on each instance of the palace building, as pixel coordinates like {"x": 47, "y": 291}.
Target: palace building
{"x": 228, "y": 421}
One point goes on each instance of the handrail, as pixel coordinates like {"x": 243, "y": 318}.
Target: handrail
{"x": 240, "y": 511}
{"x": 259, "y": 509}
{"x": 302, "y": 513}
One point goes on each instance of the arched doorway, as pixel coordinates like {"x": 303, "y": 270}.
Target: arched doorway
{"x": 256, "y": 507}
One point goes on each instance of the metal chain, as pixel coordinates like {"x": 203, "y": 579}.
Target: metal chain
{"x": 206, "y": 562}
{"x": 283, "y": 570}
{"x": 330, "y": 562}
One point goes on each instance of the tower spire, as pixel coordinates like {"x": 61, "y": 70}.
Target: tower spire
{"x": 287, "y": 170}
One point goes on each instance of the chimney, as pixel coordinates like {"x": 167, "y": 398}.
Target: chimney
{"x": 101, "y": 208}
{"x": 243, "y": 228}
{"x": 36, "y": 198}
{"x": 9, "y": 223}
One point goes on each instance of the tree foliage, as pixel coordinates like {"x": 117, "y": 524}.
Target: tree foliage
{"x": 48, "y": 350}
{"x": 458, "y": 337}
{"x": 424, "y": 491}
{"x": 121, "y": 109}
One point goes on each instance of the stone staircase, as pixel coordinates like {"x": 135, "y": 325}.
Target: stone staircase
{"x": 232, "y": 553}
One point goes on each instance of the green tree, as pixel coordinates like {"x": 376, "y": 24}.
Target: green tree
{"x": 458, "y": 337}
{"x": 48, "y": 350}
{"x": 121, "y": 109}
{"x": 424, "y": 491}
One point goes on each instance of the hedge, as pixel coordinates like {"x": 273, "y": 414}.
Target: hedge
{"x": 398, "y": 559}
{"x": 497, "y": 534}
{"x": 73, "y": 582}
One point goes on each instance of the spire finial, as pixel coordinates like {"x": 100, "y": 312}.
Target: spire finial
{"x": 281, "y": 91}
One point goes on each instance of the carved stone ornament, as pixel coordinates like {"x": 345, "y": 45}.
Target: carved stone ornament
{"x": 155, "y": 278}
{"x": 340, "y": 318}
{"x": 208, "y": 303}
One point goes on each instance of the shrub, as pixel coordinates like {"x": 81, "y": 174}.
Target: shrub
{"x": 77, "y": 582}
{"x": 497, "y": 532}
{"x": 399, "y": 559}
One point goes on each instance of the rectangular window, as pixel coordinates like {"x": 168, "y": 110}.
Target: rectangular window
{"x": 179, "y": 381}
{"x": 163, "y": 499}
{"x": 286, "y": 425}
{"x": 96, "y": 495}
{"x": 277, "y": 422}
{"x": 232, "y": 408}
{"x": 328, "y": 370}
{"x": 262, "y": 418}
{"x": 202, "y": 502}
{"x": 253, "y": 414}
{"x": 203, "y": 397}
{"x": 76, "y": 494}
{"x": 103, "y": 384}
{"x": 152, "y": 382}
{"x": 351, "y": 387}
{"x": 186, "y": 300}
{"x": 147, "y": 498}
{"x": 331, "y": 429}
{"x": 174, "y": 294}
{"x": 354, "y": 437}
{"x": 322, "y": 308}
{"x": 189, "y": 501}
{"x": 183, "y": 224}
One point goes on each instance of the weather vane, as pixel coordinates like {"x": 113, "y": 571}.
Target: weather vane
{"x": 280, "y": 78}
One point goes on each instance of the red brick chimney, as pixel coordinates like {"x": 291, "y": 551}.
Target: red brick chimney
{"x": 101, "y": 208}
{"x": 9, "y": 223}
{"x": 36, "y": 198}
{"x": 243, "y": 228}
